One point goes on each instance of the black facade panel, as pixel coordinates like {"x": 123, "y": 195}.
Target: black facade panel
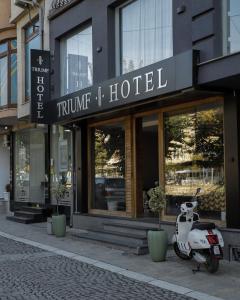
{"x": 182, "y": 24}
{"x": 231, "y": 129}
{"x": 206, "y": 48}
{"x": 203, "y": 26}
{"x": 199, "y": 7}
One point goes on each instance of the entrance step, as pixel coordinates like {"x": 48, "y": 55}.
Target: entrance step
{"x": 36, "y": 216}
{"x": 133, "y": 242}
{"x": 39, "y": 210}
{"x": 137, "y": 230}
{"x": 20, "y": 219}
{"x": 28, "y": 214}
{"x": 130, "y": 235}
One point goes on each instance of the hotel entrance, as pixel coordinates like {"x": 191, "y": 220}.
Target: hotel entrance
{"x": 147, "y": 161}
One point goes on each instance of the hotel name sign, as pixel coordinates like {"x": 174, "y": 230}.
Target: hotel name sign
{"x": 167, "y": 76}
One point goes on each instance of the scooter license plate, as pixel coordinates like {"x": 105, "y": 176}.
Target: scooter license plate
{"x": 216, "y": 250}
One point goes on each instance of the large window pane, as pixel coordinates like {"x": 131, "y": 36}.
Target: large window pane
{"x": 61, "y": 162}
{"x": 233, "y": 25}
{"x": 3, "y": 80}
{"x": 3, "y": 48}
{"x": 108, "y": 143}
{"x": 22, "y": 163}
{"x": 145, "y": 33}
{"x": 30, "y": 176}
{"x": 76, "y": 61}
{"x": 194, "y": 157}
{"x": 32, "y": 44}
{"x": 14, "y": 78}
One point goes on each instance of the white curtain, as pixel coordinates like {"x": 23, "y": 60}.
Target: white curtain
{"x": 146, "y": 33}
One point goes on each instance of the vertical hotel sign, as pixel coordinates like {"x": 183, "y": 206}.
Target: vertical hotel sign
{"x": 40, "y": 85}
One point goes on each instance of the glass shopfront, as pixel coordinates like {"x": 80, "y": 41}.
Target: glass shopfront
{"x": 108, "y": 168}
{"x": 61, "y": 162}
{"x": 194, "y": 157}
{"x": 31, "y": 180}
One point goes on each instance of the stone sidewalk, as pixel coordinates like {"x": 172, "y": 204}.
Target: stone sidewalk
{"x": 225, "y": 284}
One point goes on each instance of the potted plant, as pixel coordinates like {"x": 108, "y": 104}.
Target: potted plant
{"x": 59, "y": 220}
{"x": 157, "y": 239}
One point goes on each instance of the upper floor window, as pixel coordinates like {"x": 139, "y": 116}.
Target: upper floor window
{"x": 32, "y": 41}
{"x": 76, "y": 61}
{"x": 233, "y": 28}
{"x": 145, "y": 33}
{"x": 8, "y": 73}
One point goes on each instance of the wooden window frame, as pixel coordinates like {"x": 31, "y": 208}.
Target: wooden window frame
{"x": 161, "y": 150}
{"x": 126, "y": 121}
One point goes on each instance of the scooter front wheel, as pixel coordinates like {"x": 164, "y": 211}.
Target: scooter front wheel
{"x": 212, "y": 264}
{"x": 179, "y": 253}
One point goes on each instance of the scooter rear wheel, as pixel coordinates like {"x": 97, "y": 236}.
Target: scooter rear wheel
{"x": 179, "y": 253}
{"x": 212, "y": 264}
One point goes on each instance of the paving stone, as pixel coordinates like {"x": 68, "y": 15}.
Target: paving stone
{"x": 30, "y": 273}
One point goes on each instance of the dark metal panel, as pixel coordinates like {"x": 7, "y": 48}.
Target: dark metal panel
{"x": 182, "y": 26}
{"x": 199, "y": 7}
{"x": 154, "y": 80}
{"x": 203, "y": 26}
{"x": 231, "y": 142}
{"x": 206, "y": 48}
{"x": 220, "y": 69}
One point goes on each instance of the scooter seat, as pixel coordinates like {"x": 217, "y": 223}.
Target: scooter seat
{"x": 203, "y": 226}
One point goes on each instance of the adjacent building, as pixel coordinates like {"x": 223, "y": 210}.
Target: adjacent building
{"x": 8, "y": 91}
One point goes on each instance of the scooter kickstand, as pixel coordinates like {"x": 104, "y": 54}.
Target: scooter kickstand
{"x": 196, "y": 270}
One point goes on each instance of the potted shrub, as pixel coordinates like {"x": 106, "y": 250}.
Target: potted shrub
{"x": 59, "y": 220}
{"x": 157, "y": 239}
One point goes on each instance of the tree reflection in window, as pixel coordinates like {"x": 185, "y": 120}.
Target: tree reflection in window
{"x": 109, "y": 167}
{"x": 194, "y": 157}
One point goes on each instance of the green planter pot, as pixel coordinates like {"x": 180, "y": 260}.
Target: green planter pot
{"x": 157, "y": 244}
{"x": 59, "y": 225}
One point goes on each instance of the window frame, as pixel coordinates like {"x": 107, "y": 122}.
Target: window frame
{"x": 91, "y": 165}
{"x": 118, "y": 42}
{"x": 8, "y": 53}
{"x": 65, "y": 37}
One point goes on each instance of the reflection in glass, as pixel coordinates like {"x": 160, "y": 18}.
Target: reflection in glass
{"x": 30, "y": 179}
{"x": 109, "y": 167}
{"x": 146, "y": 33}
{"x": 61, "y": 161}
{"x": 3, "y": 48}
{"x": 76, "y": 61}
{"x": 233, "y": 25}
{"x": 14, "y": 78}
{"x": 32, "y": 44}
{"x": 194, "y": 157}
{"x": 22, "y": 169}
{"x": 3, "y": 80}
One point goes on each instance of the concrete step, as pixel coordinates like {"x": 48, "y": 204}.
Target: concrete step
{"x": 138, "y": 245}
{"x": 18, "y": 219}
{"x": 138, "y": 230}
{"x": 39, "y": 210}
{"x": 38, "y": 217}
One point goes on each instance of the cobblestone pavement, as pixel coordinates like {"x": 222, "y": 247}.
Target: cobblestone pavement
{"x": 30, "y": 273}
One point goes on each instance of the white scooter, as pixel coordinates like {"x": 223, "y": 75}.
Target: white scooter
{"x": 201, "y": 241}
